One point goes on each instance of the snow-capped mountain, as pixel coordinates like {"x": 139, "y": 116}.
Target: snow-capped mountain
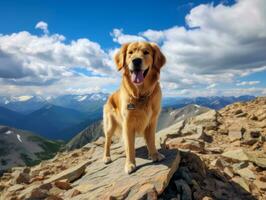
{"x": 213, "y": 102}
{"x": 84, "y": 103}
{"x": 23, "y": 104}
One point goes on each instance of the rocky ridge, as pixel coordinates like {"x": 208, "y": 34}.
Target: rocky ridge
{"x": 215, "y": 155}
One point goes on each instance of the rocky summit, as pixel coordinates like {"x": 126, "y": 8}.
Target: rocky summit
{"x": 214, "y": 155}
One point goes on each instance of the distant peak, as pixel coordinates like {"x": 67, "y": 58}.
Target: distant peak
{"x": 23, "y": 98}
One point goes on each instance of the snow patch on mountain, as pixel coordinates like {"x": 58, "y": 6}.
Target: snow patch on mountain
{"x": 81, "y": 98}
{"x": 97, "y": 97}
{"x": 23, "y": 98}
{"x": 8, "y": 132}
{"x": 19, "y": 138}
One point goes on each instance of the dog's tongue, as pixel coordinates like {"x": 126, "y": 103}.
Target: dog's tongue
{"x": 137, "y": 77}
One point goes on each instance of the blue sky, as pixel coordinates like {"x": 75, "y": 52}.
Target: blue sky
{"x": 56, "y": 47}
{"x": 95, "y": 19}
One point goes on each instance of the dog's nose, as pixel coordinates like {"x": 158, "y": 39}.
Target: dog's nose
{"x": 137, "y": 62}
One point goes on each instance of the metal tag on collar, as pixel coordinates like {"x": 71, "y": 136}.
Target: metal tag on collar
{"x": 131, "y": 106}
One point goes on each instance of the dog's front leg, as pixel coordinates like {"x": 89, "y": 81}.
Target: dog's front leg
{"x": 149, "y": 136}
{"x": 129, "y": 140}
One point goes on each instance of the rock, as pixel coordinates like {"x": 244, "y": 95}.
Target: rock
{"x": 53, "y": 197}
{"x": 70, "y": 174}
{"x": 184, "y": 143}
{"x": 207, "y": 120}
{"x": 262, "y": 117}
{"x": 37, "y": 178}
{"x": 262, "y": 178}
{"x": 46, "y": 186}
{"x": 237, "y": 154}
{"x": 220, "y": 163}
{"x": 15, "y": 188}
{"x": 63, "y": 184}
{"x": 56, "y": 191}
{"x": 238, "y": 166}
{"x": 251, "y": 137}
{"x": 45, "y": 173}
{"x": 110, "y": 181}
{"x": 75, "y": 193}
{"x": 39, "y": 194}
{"x": 170, "y": 132}
{"x": 26, "y": 170}
{"x": 246, "y": 173}
{"x": 241, "y": 115}
{"x": 259, "y": 158}
{"x": 21, "y": 177}
{"x": 242, "y": 182}
{"x": 229, "y": 172}
{"x": 214, "y": 150}
{"x": 183, "y": 189}
{"x": 260, "y": 184}
{"x": 200, "y": 135}
{"x": 234, "y": 135}
{"x": 239, "y": 111}
{"x": 253, "y": 117}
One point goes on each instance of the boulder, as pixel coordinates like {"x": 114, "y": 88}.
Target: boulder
{"x": 21, "y": 177}
{"x": 242, "y": 182}
{"x": 185, "y": 143}
{"x": 63, "y": 184}
{"x": 236, "y": 154}
{"x": 246, "y": 173}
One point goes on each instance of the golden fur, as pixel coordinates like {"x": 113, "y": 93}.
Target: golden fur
{"x": 145, "y": 97}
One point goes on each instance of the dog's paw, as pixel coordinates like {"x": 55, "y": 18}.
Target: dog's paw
{"x": 129, "y": 168}
{"x": 156, "y": 157}
{"x": 107, "y": 159}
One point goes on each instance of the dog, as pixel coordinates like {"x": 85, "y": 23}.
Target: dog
{"x": 134, "y": 108}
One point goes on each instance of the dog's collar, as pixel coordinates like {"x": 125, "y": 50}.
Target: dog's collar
{"x": 139, "y": 100}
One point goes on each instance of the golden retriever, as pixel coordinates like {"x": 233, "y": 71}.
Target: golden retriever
{"x": 134, "y": 109}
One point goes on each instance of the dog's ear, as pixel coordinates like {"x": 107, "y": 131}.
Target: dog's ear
{"x": 158, "y": 57}
{"x": 120, "y": 57}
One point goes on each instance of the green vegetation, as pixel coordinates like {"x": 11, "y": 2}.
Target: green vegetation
{"x": 28, "y": 161}
{"x": 3, "y": 148}
{"x": 50, "y": 148}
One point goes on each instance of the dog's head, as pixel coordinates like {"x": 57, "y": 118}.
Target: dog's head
{"x": 138, "y": 60}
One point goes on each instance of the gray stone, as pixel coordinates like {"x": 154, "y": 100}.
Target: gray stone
{"x": 183, "y": 189}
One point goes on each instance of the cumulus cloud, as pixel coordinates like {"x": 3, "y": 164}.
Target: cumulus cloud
{"x": 220, "y": 44}
{"x": 121, "y": 38}
{"x": 47, "y": 64}
{"x": 31, "y": 59}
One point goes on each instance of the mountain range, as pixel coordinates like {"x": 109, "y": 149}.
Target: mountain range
{"x": 65, "y": 116}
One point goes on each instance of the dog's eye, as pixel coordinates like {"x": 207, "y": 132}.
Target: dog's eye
{"x": 146, "y": 52}
{"x": 130, "y": 52}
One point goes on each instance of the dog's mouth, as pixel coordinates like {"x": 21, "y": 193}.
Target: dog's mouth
{"x": 137, "y": 76}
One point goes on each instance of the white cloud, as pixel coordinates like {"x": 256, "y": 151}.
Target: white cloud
{"x": 31, "y": 59}
{"x": 121, "y": 38}
{"x": 222, "y": 43}
{"x": 244, "y": 83}
{"x": 47, "y": 64}
{"x": 66, "y": 85}
{"x": 43, "y": 26}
